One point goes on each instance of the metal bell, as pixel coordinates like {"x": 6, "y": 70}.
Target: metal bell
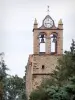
{"x": 42, "y": 40}
{"x": 54, "y": 40}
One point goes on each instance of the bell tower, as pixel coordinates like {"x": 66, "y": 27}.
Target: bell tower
{"x": 49, "y": 35}
{"x": 44, "y": 59}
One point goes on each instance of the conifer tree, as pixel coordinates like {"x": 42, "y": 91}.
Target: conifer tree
{"x": 3, "y": 76}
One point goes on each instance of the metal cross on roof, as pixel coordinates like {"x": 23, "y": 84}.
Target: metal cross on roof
{"x": 48, "y": 10}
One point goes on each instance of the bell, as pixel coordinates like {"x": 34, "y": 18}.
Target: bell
{"x": 54, "y": 40}
{"x": 42, "y": 40}
{"x": 42, "y": 36}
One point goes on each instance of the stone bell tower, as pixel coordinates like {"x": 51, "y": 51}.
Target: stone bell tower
{"x": 41, "y": 63}
{"x": 45, "y": 34}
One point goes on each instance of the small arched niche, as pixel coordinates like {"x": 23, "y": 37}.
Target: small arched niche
{"x": 42, "y": 40}
{"x": 53, "y": 43}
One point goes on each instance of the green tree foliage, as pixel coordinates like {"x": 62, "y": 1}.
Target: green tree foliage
{"x": 11, "y": 87}
{"x": 3, "y": 76}
{"x": 61, "y": 85}
{"x": 16, "y": 88}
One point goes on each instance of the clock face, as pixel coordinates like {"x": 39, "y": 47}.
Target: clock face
{"x": 48, "y": 22}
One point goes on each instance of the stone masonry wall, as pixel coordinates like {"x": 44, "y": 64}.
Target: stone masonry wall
{"x": 48, "y": 61}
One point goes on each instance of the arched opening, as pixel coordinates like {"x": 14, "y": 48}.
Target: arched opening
{"x": 42, "y": 42}
{"x": 53, "y": 42}
{"x": 52, "y": 45}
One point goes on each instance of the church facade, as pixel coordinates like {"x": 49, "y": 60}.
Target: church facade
{"x": 42, "y": 62}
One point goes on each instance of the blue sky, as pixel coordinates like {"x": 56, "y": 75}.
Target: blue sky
{"x": 16, "y": 24}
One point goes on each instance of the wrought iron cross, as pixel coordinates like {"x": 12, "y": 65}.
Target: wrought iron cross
{"x": 48, "y": 10}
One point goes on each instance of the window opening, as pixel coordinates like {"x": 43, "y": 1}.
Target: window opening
{"x": 43, "y": 66}
{"x": 53, "y": 43}
{"x": 42, "y": 42}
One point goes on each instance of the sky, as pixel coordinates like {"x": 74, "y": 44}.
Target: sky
{"x": 16, "y": 25}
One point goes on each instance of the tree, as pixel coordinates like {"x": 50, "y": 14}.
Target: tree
{"x": 11, "y": 87}
{"x": 73, "y": 47}
{"x": 16, "y": 88}
{"x": 3, "y": 76}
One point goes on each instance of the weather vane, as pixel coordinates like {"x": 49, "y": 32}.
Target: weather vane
{"x": 48, "y": 10}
